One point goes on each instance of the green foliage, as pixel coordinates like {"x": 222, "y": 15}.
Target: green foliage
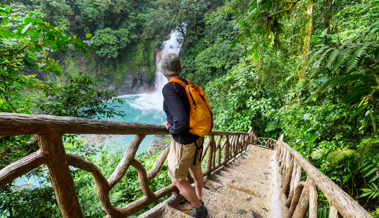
{"x": 26, "y": 48}
{"x": 371, "y": 192}
{"x": 92, "y": 100}
{"x": 109, "y": 42}
{"x": 236, "y": 102}
{"x": 339, "y": 154}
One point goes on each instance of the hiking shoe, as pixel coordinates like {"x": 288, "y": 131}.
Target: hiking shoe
{"x": 198, "y": 214}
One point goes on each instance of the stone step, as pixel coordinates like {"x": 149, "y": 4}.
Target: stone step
{"x": 253, "y": 204}
{"x": 217, "y": 205}
{"x": 220, "y": 206}
{"x": 258, "y": 183}
{"x": 249, "y": 175}
{"x": 255, "y": 189}
{"x": 254, "y": 152}
{"x": 174, "y": 213}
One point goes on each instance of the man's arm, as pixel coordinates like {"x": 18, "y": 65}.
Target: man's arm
{"x": 180, "y": 120}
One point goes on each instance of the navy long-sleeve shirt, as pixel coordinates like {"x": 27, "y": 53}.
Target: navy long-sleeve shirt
{"x": 177, "y": 108}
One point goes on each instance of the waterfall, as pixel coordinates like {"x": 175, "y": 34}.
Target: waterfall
{"x": 154, "y": 100}
{"x": 172, "y": 45}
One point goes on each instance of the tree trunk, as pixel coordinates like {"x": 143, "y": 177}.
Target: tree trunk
{"x": 307, "y": 38}
{"x": 328, "y": 14}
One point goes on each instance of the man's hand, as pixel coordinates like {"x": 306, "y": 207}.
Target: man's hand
{"x": 166, "y": 124}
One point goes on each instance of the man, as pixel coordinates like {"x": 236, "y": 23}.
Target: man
{"x": 183, "y": 147}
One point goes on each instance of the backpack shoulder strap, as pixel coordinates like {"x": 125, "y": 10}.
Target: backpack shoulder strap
{"x": 181, "y": 82}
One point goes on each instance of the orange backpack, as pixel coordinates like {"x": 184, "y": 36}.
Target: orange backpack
{"x": 200, "y": 117}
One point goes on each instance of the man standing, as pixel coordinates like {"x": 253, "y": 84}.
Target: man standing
{"x": 183, "y": 150}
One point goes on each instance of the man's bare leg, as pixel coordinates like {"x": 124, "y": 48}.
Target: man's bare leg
{"x": 187, "y": 191}
{"x": 199, "y": 181}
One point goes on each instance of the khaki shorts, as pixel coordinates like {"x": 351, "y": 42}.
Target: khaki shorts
{"x": 181, "y": 158}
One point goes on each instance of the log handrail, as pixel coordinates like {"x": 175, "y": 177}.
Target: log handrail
{"x": 50, "y": 130}
{"x": 22, "y": 124}
{"x": 303, "y": 196}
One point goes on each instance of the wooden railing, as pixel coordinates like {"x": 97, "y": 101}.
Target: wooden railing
{"x": 50, "y": 130}
{"x": 302, "y": 196}
{"x": 267, "y": 142}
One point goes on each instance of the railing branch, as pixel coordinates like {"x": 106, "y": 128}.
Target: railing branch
{"x": 313, "y": 200}
{"x": 295, "y": 179}
{"x": 158, "y": 164}
{"x": 333, "y": 213}
{"x": 124, "y": 164}
{"x": 21, "y": 167}
{"x": 142, "y": 177}
{"x": 303, "y": 204}
{"x": 102, "y": 185}
{"x": 295, "y": 199}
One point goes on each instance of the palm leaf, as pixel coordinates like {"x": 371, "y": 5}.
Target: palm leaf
{"x": 373, "y": 170}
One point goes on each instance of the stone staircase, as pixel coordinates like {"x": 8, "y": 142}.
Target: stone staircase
{"x": 246, "y": 187}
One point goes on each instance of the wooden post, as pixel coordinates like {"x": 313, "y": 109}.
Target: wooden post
{"x": 287, "y": 178}
{"x": 312, "y": 200}
{"x": 226, "y": 150}
{"x": 295, "y": 199}
{"x": 59, "y": 173}
{"x": 303, "y": 204}
{"x": 230, "y": 147}
{"x": 213, "y": 144}
{"x": 219, "y": 152}
{"x": 210, "y": 154}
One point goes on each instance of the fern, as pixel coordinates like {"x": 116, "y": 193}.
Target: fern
{"x": 357, "y": 57}
{"x": 332, "y": 58}
{"x": 115, "y": 197}
{"x": 305, "y": 56}
{"x": 317, "y": 153}
{"x": 314, "y": 55}
{"x": 345, "y": 55}
{"x": 340, "y": 154}
{"x": 322, "y": 57}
